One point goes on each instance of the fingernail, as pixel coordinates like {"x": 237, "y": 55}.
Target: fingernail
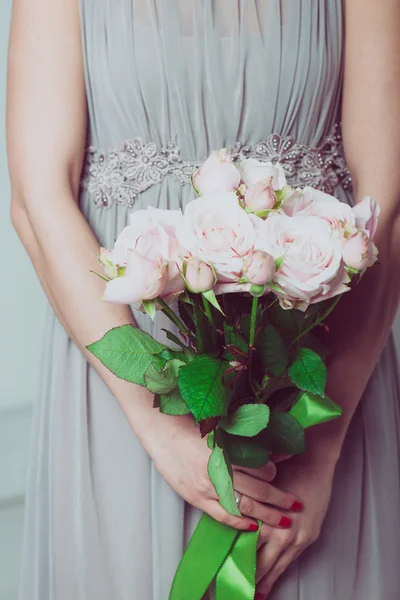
{"x": 285, "y": 522}
{"x": 253, "y": 528}
{"x": 297, "y": 506}
{"x": 259, "y": 597}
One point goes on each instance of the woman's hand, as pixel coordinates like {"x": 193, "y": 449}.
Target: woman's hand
{"x": 278, "y": 548}
{"x": 181, "y": 457}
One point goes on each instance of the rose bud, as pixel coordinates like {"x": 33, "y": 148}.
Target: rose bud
{"x": 258, "y": 268}
{"x": 106, "y": 260}
{"x": 359, "y": 252}
{"x": 253, "y": 171}
{"x": 260, "y": 196}
{"x": 218, "y": 174}
{"x": 144, "y": 279}
{"x": 366, "y": 214}
{"x": 199, "y": 276}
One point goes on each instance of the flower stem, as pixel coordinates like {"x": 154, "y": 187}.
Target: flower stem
{"x": 253, "y": 319}
{"x": 253, "y": 322}
{"x": 318, "y": 321}
{"x": 167, "y": 310}
{"x": 208, "y": 311}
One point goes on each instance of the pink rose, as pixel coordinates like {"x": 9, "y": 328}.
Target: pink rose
{"x": 144, "y": 279}
{"x": 295, "y": 201}
{"x": 253, "y": 171}
{"x": 258, "y": 268}
{"x": 359, "y": 252}
{"x": 218, "y": 174}
{"x": 106, "y": 260}
{"x": 200, "y": 276}
{"x": 150, "y": 235}
{"x": 260, "y": 196}
{"x": 366, "y": 215}
{"x": 314, "y": 203}
{"x": 312, "y": 269}
{"x": 219, "y": 232}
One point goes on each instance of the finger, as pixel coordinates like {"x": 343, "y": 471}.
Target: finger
{"x": 265, "y": 492}
{"x": 267, "y": 556}
{"x": 265, "y": 585}
{"x": 266, "y": 473}
{"x": 263, "y": 512}
{"x": 215, "y": 510}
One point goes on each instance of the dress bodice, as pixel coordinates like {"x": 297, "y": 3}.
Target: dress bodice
{"x": 204, "y": 74}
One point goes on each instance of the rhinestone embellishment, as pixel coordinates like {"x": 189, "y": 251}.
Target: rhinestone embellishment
{"x": 119, "y": 175}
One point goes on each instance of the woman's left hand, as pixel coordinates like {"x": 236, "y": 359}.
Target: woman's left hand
{"x": 279, "y": 547}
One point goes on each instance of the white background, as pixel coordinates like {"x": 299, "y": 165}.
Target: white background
{"x": 22, "y": 313}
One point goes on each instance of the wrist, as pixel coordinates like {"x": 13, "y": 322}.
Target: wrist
{"x": 324, "y": 444}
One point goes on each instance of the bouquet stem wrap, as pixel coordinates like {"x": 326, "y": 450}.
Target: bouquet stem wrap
{"x": 217, "y": 552}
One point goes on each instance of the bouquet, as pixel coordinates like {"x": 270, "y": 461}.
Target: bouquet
{"x": 247, "y": 273}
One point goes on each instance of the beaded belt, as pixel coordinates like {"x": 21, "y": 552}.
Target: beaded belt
{"x": 119, "y": 175}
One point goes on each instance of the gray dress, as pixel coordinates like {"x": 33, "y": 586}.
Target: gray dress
{"x": 101, "y": 523}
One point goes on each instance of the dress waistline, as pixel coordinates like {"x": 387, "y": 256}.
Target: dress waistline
{"x": 119, "y": 175}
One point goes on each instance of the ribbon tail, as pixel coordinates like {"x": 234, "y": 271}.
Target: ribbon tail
{"x": 236, "y": 580}
{"x": 206, "y": 552}
{"x": 310, "y": 410}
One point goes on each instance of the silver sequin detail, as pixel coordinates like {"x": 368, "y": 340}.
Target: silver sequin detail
{"x": 118, "y": 176}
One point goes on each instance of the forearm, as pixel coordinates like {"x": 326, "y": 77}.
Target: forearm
{"x": 358, "y": 332}
{"x": 63, "y": 262}
{"x": 360, "y": 326}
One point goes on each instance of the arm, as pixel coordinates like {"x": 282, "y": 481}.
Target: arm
{"x": 46, "y": 130}
{"x": 371, "y": 132}
{"x": 360, "y": 325}
{"x": 46, "y": 140}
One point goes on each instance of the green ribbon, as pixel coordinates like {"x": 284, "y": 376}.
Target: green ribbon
{"x": 310, "y": 409}
{"x": 218, "y": 552}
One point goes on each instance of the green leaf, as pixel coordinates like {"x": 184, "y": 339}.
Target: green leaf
{"x": 174, "y": 338}
{"x": 219, "y": 473}
{"x": 275, "y": 385}
{"x": 127, "y": 352}
{"x": 186, "y": 312}
{"x": 284, "y": 435}
{"x": 279, "y": 261}
{"x": 200, "y": 383}
{"x": 308, "y": 372}
{"x": 249, "y": 420}
{"x": 292, "y": 322}
{"x": 208, "y": 425}
{"x": 275, "y": 287}
{"x": 165, "y": 380}
{"x": 211, "y": 440}
{"x": 166, "y": 355}
{"x": 272, "y": 352}
{"x": 205, "y": 333}
{"x": 212, "y": 299}
{"x": 150, "y": 308}
{"x": 241, "y": 390}
{"x": 243, "y": 452}
{"x": 172, "y": 404}
{"x": 311, "y": 341}
{"x": 232, "y": 338}
{"x": 310, "y": 409}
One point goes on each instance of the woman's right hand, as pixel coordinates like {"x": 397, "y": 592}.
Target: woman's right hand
{"x": 181, "y": 457}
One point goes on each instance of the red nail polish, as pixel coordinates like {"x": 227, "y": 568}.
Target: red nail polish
{"x": 297, "y": 506}
{"x": 253, "y": 528}
{"x": 285, "y": 522}
{"x": 259, "y": 597}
